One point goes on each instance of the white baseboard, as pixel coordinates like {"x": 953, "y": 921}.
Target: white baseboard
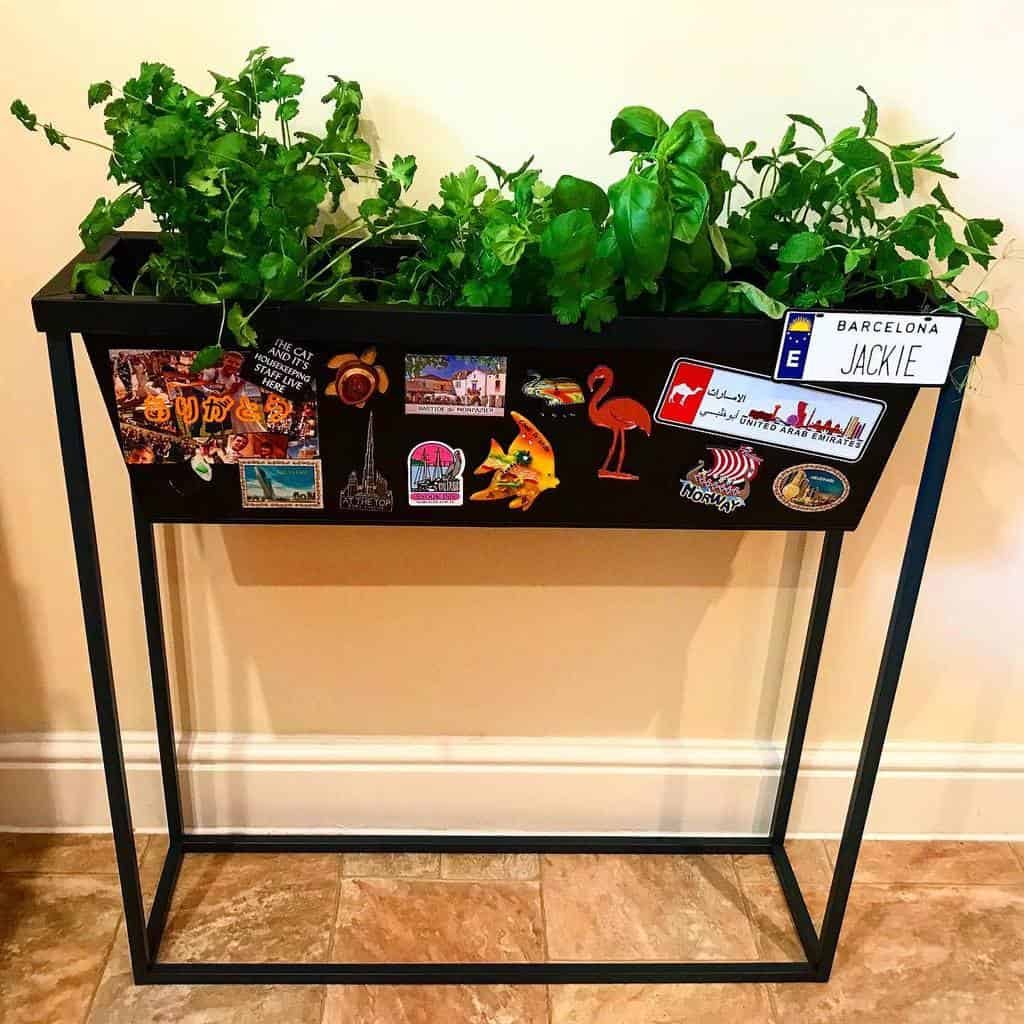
{"x": 330, "y": 784}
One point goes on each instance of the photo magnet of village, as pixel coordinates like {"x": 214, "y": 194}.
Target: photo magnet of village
{"x": 455, "y": 385}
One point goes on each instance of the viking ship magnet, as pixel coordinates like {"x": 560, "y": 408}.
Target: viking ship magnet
{"x": 725, "y": 484}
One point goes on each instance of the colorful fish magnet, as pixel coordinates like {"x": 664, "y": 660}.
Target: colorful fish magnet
{"x": 618, "y": 415}
{"x": 435, "y": 475}
{"x": 725, "y": 484}
{"x": 521, "y": 473}
{"x": 357, "y": 378}
{"x": 810, "y": 487}
{"x": 557, "y": 396}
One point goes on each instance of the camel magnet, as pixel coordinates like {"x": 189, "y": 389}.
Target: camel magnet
{"x": 617, "y": 415}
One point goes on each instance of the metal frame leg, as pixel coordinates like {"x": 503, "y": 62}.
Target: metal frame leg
{"x": 821, "y": 604}
{"x": 166, "y": 741}
{"x": 83, "y": 529}
{"x": 922, "y": 525}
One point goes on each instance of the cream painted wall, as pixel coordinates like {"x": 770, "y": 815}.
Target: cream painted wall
{"x": 604, "y": 634}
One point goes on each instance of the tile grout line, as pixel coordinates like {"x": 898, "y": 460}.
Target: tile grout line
{"x": 544, "y": 930}
{"x": 1018, "y": 856}
{"x": 339, "y": 874}
{"x": 140, "y": 855}
{"x": 747, "y": 913}
{"x": 103, "y": 970}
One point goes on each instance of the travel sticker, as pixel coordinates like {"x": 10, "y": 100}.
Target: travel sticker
{"x": 168, "y": 413}
{"x": 435, "y": 474}
{"x": 370, "y": 491}
{"x": 455, "y": 385}
{"x": 357, "y": 378}
{"x": 283, "y": 367}
{"x": 281, "y": 483}
{"x": 811, "y": 488}
{"x": 618, "y": 415}
{"x": 725, "y": 484}
{"x": 555, "y": 396}
{"x": 735, "y": 403}
{"x": 523, "y": 472}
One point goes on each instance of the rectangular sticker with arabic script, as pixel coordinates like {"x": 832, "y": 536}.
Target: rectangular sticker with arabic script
{"x": 735, "y": 403}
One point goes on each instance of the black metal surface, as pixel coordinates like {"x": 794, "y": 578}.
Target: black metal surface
{"x": 83, "y": 529}
{"x": 798, "y": 912}
{"x": 465, "y": 843}
{"x": 749, "y": 343}
{"x": 149, "y": 579}
{"x": 163, "y": 896}
{"x": 173, "y": 493}
{"x": 57, "y": 307}
{"x": 821, "y": 604}
{"x": 552, "y": 973}
{"x": 922, "y": 525}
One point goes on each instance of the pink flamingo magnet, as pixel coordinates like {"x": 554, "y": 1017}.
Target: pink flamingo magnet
{"x": 617, "y": 415}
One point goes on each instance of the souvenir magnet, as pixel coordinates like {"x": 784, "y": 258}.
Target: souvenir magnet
{"x": 357, "y": 378}
{"x": 811, "y": 487}
{"x": 725, "y": 484}
{"x": 435, "y": 474}
{"x": 523, "y": 472}
{"x": 369, "y": 492}
{"x": 617, "y": 415}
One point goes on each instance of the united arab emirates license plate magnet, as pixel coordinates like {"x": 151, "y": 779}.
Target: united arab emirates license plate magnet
{"x": 733, "y": 403}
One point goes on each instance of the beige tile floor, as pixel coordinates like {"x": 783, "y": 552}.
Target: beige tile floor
{"x": 934, "y": 935}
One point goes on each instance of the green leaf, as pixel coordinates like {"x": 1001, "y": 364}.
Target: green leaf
{"x": 802, "y": 247}
{"x": 643, "y": 230}
{"x": 597, "y": 311}
{"x": 570, "y": 241}
{"x": 939, "y": 195}
{"x": 403, "y": 168}
{"x": 688, "y": 199}
{"x": 54, "y": 137}
{"x": 808, "y": 122}
{"x": 944, "y": 240}
{"x": 758, "y": 299}
{"x": 106, "y": 217}
{"x": 280, "y": 274}
{"x": 299, "y": 195}
{"x": 870, "y": 113}
{"x": 204, "y": 180}
{"x": 93, "y": 278}
{"x": 718, "y": 244}
{"x": 459, "y": 191}
{"x": 238, "y": 324}
{"x": 98, "y": 92}
{"x": 636, "y": 130}
{"x": 692, "y": 142}
{"x": 24, "y": 115}
{"x": 209, "y": 356}
{"x": 494, "y": 292}
{"x": 579, "y": 194}
{"x": 858, "y": 154}
{"x": 287, "y": 110}
{"x": 506, "y": 240}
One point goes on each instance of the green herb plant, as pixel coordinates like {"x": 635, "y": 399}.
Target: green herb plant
{"x": 694, "y": 225}
{"x": 236, "y": 205}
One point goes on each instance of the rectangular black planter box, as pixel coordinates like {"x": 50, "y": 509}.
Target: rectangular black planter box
{"x": 641, "y": 351}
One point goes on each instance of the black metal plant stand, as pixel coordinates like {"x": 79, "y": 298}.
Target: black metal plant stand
{"x": 144, "y": 933}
